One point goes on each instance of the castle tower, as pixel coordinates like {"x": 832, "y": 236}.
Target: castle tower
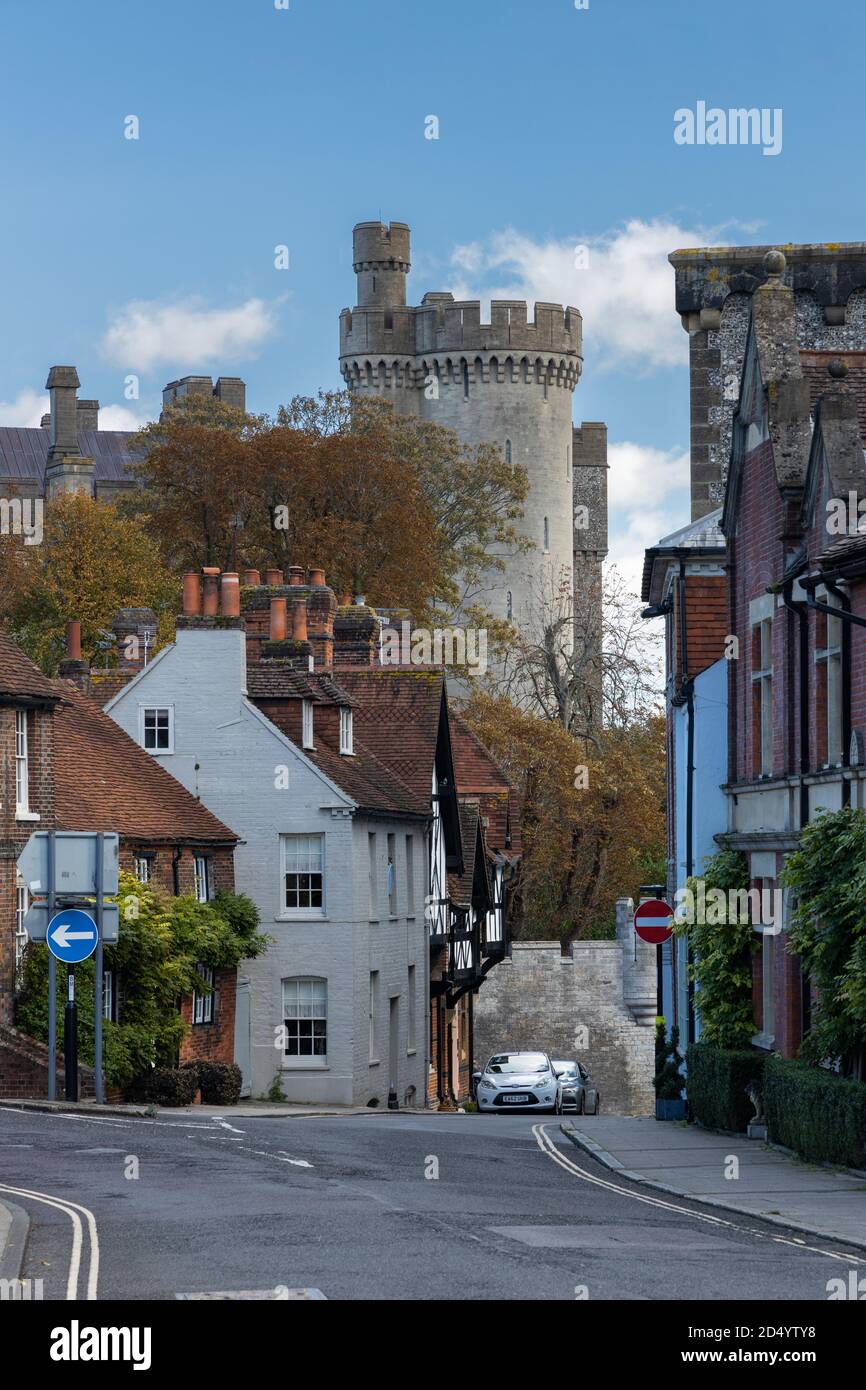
{"x": 508, "y": 382}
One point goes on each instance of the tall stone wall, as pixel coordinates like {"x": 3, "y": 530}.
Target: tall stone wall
{"x": 597, "y": 1004}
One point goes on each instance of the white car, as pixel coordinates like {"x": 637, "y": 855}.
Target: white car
{"x": 516, "y": 1081}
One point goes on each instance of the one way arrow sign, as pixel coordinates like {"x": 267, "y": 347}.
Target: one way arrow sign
{"x": 71, "y": 936}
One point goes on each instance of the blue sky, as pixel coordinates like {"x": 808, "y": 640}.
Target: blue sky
{"x": 261, "y": 127}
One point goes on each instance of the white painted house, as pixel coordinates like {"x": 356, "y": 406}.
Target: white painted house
{"x": 334, "y": 852}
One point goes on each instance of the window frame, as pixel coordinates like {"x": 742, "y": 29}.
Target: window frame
{"x": 762, "y": 696}
{"x": 347, "y": 733}
{"x": 308, "y": 913}
{"x": 828, "y": 666}
{"x": 203, "y": 1010}
{"x": 292, "y": 1061}
{"x": 22, "y": 764}
{"x": 22, "y": 907}
{"x": 143, "y": 712}
{"x": 145, "y": 860}
{"x": 203, "y": 880}
{"x": 307, "y": 725}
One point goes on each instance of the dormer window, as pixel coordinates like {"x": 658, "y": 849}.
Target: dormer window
{"x": 346, "y": 736}
{"x": 307, "y": 723}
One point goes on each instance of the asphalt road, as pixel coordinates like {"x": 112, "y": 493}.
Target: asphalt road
{"x": 383, "y": 1207}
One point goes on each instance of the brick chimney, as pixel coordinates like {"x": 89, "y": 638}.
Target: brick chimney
{"x": 135, "y": 631}
{"x": 356, "y": 636}
{"x": 321, "y": 611}
{"x": 72, "y": 668}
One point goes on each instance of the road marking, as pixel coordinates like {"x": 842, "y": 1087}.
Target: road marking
{"x": 70, "y": 1209}
{"x": 547, "y": 1146}
{"x": 224, "y": 1124}
{"x": 298, "y": 1162}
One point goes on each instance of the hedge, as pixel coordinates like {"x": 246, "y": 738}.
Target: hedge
{"x": 166, "y": 1086}
{"x": 716, "y": 1085}
{"x": 815, "y": 1113}
{"x": 219, "y": 1082}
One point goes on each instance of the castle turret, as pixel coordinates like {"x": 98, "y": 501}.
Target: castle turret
{"x": 381, "y": 259}
{"x": 508, "y": 382}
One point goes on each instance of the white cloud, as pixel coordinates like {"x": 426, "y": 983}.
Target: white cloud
{"x": 637, "y": 531}
{"x": 641, "y": 475}
{"x": 120, "y": 417}
{"x": 625, "y": 292}
{"x": 25, "y": 411}
{"x": 146, "y": 333}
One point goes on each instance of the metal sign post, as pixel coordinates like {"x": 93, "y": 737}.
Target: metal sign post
{"x": 70, "y": 1036}
{"x": 52, "y": 978}
{"x": 99, "y": 985}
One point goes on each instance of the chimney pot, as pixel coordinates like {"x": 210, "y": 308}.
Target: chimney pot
{"x": 210, "y": 607}
{"x": 317, "y": 577}
{"x": 73, "y": 640}
{"x": 278, "y": 620}
{"x": 273, "y": 577}
{"x": 230, "y": 587}
{"x": 299, "y": 620}
{"x": 296, "y": 574}
{"x": 252, "y": 578}
{"x": 191, "y": 594}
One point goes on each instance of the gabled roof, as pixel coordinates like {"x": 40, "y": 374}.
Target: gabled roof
{"x": 397, "y": 716}
{"x": 815, "y": 367}
{"x": 473, "y": 884}
{"x": 21, "y": 677}
{"x": 481, "y": 779}
{"x": 703, "y": 537}
{"x": 24, "y": 453}
{"x": 836, "y": 450}
{"x": 104, "y": 781}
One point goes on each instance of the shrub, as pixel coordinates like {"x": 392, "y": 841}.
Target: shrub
{"x": 668, "y": 1077}
{"x": 722, "y": 946}
{"x": 168, "y": 1086}
{"x": 220, "y": 1083}
{"x": 815, "y": 1112}
{"x": 716, "y": 1085}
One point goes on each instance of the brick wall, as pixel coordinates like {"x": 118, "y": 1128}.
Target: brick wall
{"x": 540, "y": 999}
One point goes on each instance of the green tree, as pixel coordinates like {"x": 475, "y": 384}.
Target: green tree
{"x": 722, "y": 951}
{"x": 162, "y": 942}
{"x": 827, "y": 878}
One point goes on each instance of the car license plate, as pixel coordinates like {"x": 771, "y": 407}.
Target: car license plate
{"x": 516, "y": 1100}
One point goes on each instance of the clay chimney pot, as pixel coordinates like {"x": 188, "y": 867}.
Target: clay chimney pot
{"x": 278, "y": 620}
{"x": 73, "y": 640}
{"x": 230, "y": 595}
{"x": 191, "y": 594}
{"x": 299, "y": 620}
{"x": 273, "y": 577}
{"x": 252, "y": 578}
{"x": 210, "y": 607}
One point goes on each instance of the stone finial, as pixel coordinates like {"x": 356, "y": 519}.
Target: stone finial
{"x": 775, "y": 263}
{"x": 837, "y": 368}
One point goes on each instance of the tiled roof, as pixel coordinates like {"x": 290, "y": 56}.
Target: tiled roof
{"x": 397, "y": 712}
{"x": 372, "y": 785}
{"x": 24, "y": 453}
{"x": 20, "y": 676}
{"x": 104, "y": 781}
{"x": 270, "y": 680}
{"x": 461, "y": 886}
{"x": 815, "y": 366}
{"x": 480, "y": 777}
{"x": 847, "y": 550}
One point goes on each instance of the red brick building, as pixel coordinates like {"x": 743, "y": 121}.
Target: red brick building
{"x": 65, "y": 765}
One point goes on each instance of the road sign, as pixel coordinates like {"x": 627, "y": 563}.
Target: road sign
{"x": 36, "y": 921}
{"x": 71, "y": 935}
{"x": 654, "y": 921}
{"x": 75, "y": 865}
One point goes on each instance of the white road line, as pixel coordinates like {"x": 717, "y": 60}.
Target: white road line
{"x": 62, "y": 1115}
{"x": 224, "y": 1124}
{"x": 70, "y": 1209}
{"x": 547, "y": 1146}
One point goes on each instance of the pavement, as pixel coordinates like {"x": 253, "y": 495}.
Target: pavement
{"x": 764, "y": 1182}
{"x": 395, "y": 1206}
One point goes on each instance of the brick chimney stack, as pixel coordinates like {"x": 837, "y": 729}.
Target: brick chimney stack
{"x": 356, "y": 636}
{"x": 135, "y": 631}
{"x": 72, "y": 668}
{"x": 67, "y": 470}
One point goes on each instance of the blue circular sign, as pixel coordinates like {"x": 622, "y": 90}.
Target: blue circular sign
{"x": 71, "y": 935}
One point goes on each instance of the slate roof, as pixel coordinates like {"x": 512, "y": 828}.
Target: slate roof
{"x": 19, "y": 676}
{"x": 815, "y": 366}
{"x": 847, "y": 551}
{"x": 24, "y": 453}
{"x": 702, "y": 536}
{"x": 104, "y": 781}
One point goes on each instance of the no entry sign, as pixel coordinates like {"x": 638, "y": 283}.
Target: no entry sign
{"x": 654, "y": 921}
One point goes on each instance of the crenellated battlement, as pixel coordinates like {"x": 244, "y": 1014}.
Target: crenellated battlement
{"x": 387, "y": 372}
{"x": 441, "y": 324}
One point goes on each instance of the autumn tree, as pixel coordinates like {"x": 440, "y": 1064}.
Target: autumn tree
{"x": 593, "y": 823}
{"x": 91, "y": 562}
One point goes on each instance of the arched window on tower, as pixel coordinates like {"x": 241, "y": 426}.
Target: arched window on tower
{"x": 509, "y": 605}
{"x": 546, "y": 536}
{"x": 508, "y": 451}
{"x": 466, "y": 381}
{"x": 546, "y": 383}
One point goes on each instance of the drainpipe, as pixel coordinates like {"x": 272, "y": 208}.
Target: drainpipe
{"x": 175, "y": 871}
{"x": 800, "y": 611}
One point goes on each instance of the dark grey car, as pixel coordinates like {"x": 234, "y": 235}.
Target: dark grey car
{"x": 575, "y": 1089}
